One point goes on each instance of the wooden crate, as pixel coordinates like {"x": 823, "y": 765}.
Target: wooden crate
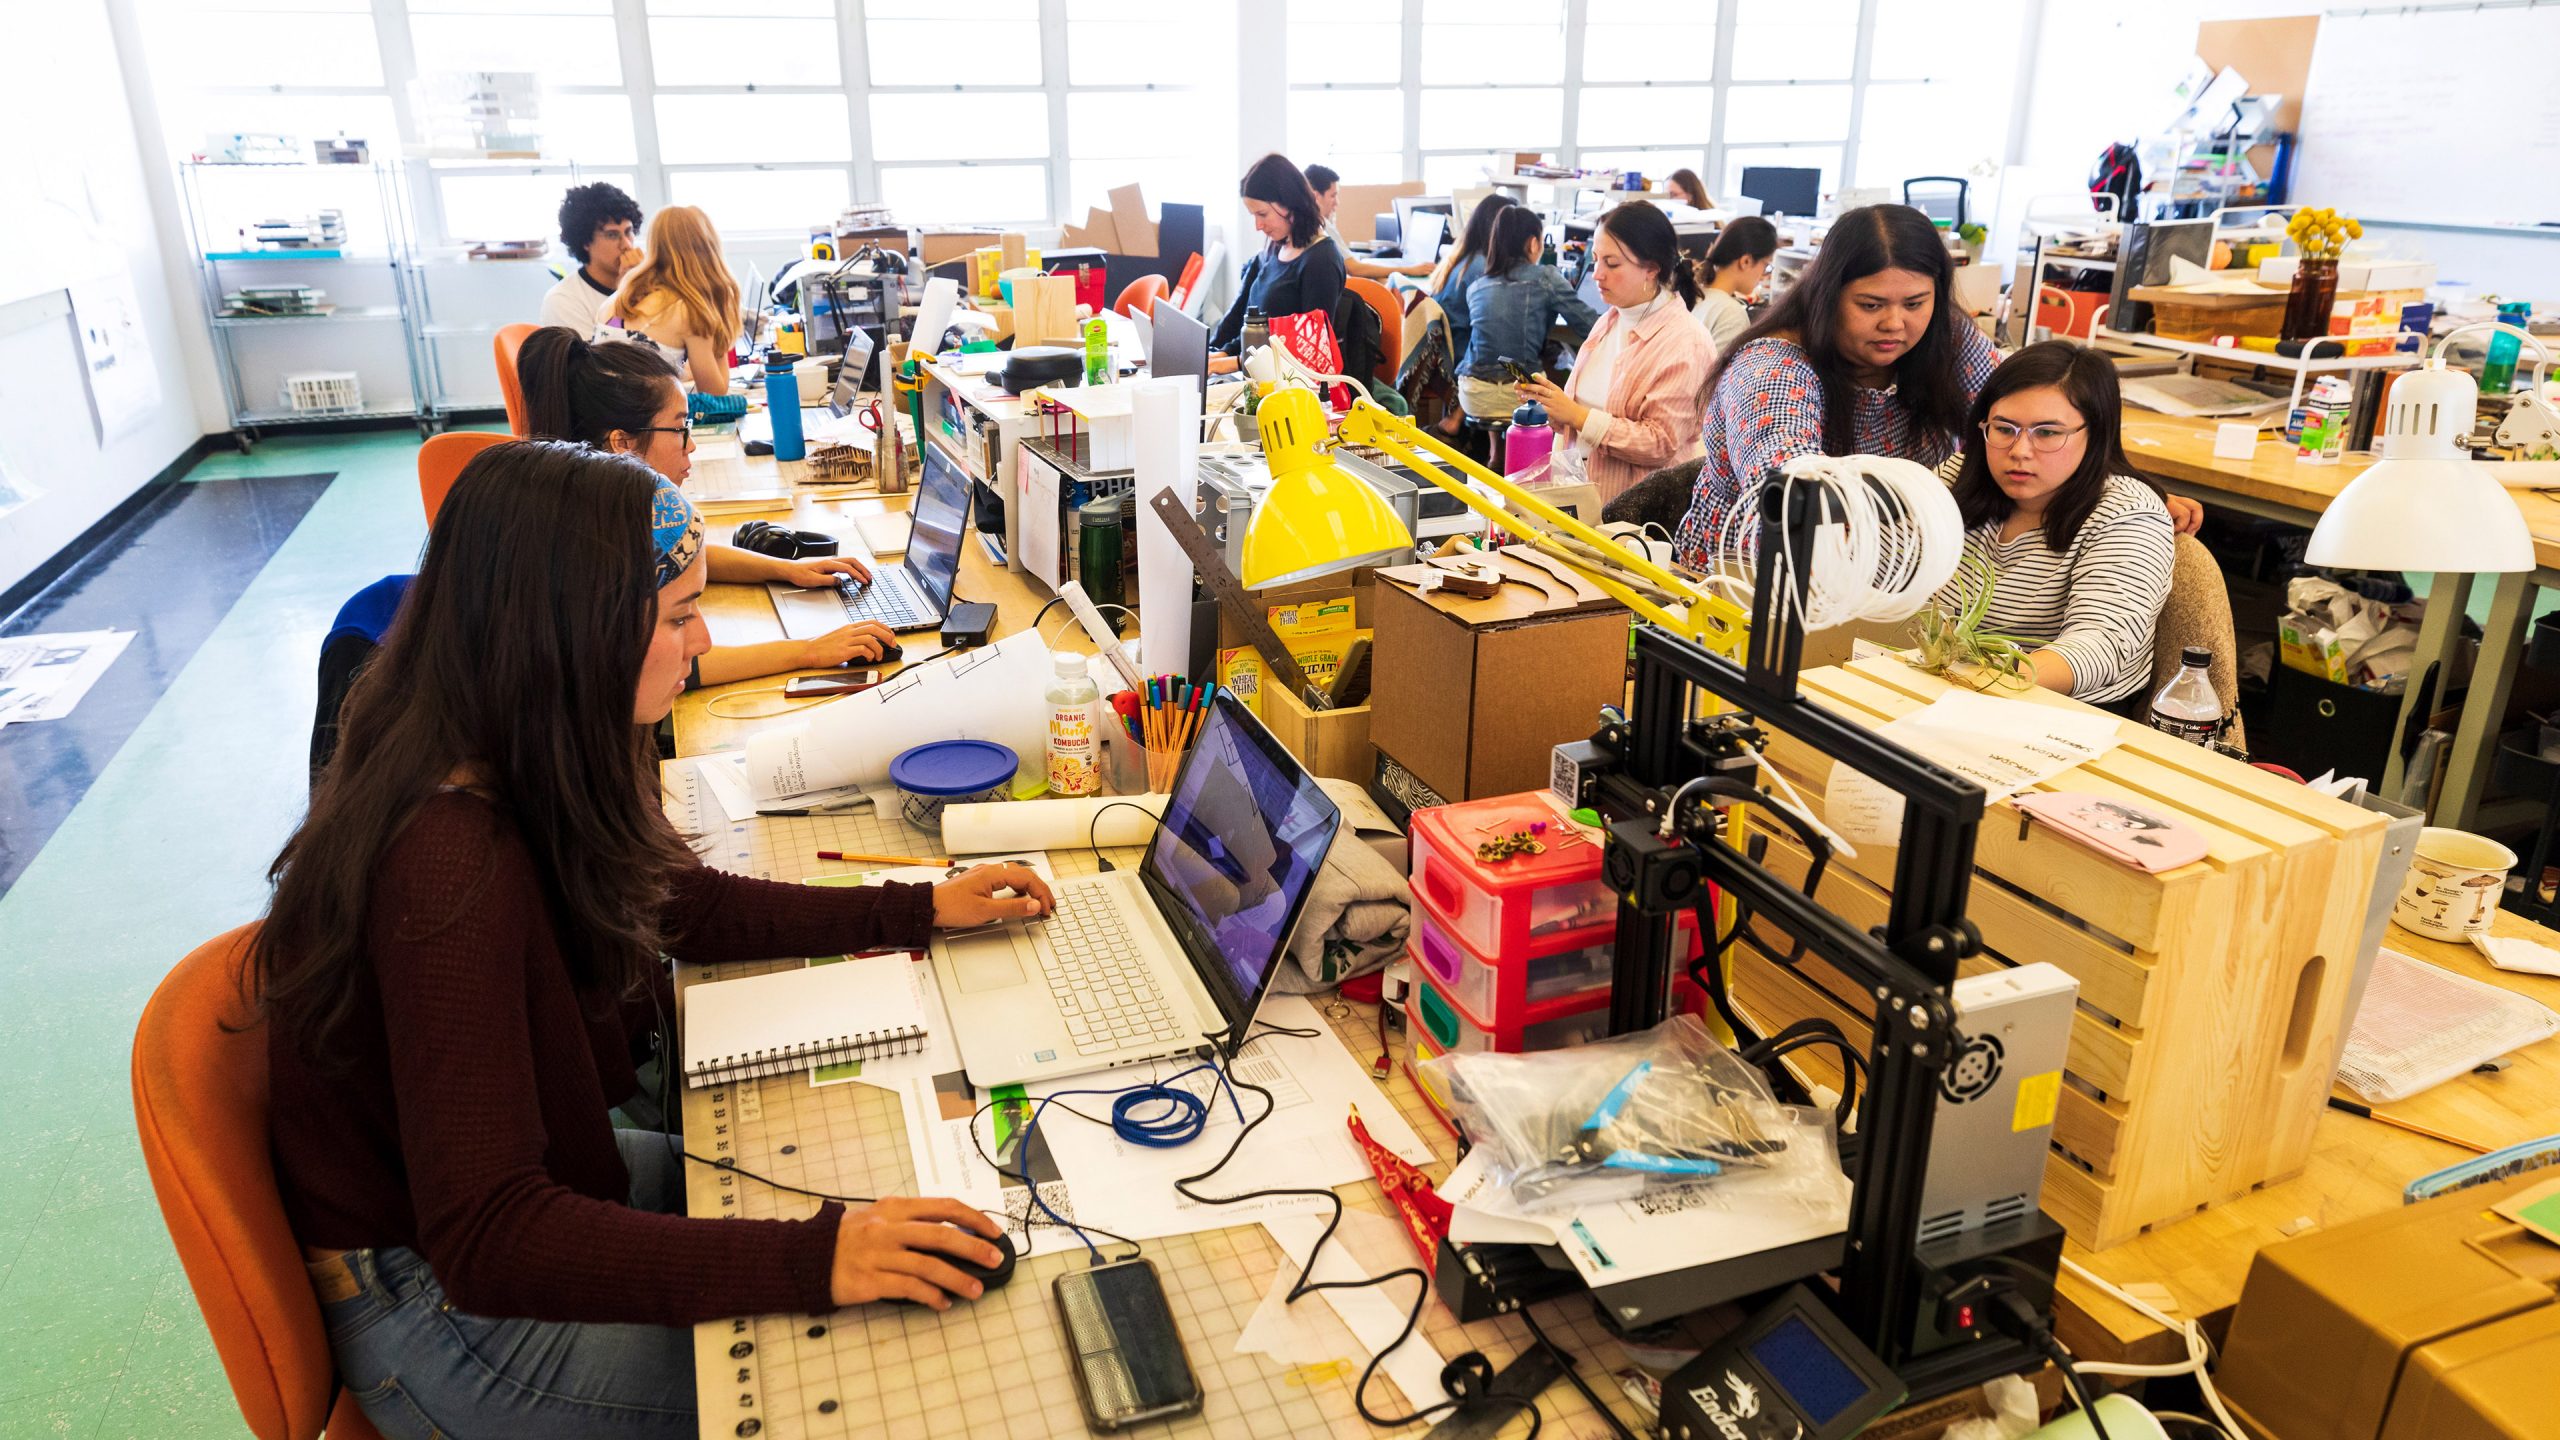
{"x": 1331, "y": 743}
{"x": 2211, "y": 996}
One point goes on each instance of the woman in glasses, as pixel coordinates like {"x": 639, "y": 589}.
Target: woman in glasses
{"x": 2079, "y": 539}
{"x": 626, "y": 399}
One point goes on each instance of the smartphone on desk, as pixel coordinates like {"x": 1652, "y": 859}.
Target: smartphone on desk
{"x": 824, "y": 687}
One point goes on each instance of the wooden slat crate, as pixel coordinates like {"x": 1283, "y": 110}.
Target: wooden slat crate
{"x": 2211, "y": 996}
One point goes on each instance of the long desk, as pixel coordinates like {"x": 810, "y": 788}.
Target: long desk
{"x": 2358, "y": 1167}
{"x": 2273, "y": 486}
{"x": 996, "y": 1369}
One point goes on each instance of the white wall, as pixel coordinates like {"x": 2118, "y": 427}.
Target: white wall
{"x": 70, "y": 103}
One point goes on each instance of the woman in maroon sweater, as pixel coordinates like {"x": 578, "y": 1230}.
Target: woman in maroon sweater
{"x": 462, "y": 953}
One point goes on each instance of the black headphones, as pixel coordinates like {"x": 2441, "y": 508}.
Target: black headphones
{"x": 782, "y": 542}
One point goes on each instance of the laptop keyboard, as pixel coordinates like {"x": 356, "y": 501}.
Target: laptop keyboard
{"x": 1109, "y": 999}
{"x": 886, "y": 599}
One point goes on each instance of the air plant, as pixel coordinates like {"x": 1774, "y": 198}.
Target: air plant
{"x": 1944, "y": 641}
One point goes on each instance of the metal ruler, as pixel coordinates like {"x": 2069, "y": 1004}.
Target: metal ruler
{"x": 1235, "y": 601}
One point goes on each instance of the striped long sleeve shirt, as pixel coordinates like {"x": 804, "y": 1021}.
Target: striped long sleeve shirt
{"x": 2096, "y": 603}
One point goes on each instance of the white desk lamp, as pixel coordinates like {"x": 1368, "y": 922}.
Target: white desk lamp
{"x": 2426, "y": 504}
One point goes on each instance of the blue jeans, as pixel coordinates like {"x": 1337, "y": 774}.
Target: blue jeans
{"x": 423, "y": 1370}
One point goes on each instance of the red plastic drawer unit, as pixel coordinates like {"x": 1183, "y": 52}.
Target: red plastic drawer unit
{"x": 1439, "y": 1023}
{"x": 1421, "y": 1055}
{"x": 1500, "y": 988}
{"x": 1520, "y": 905}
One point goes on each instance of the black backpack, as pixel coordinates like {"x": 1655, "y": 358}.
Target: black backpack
{"x": 2118, "y": 173}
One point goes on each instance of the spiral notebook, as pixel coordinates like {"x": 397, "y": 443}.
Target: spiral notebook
{"x": 858, "y": 1009}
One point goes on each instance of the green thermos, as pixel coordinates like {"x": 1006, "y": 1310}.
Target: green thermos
{"x": 1098, "y": 544}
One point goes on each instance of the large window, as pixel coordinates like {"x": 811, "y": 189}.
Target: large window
{"x": 774, "y": 114}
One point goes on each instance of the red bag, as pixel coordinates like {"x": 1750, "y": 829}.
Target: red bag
{"x": 1308, "y": 339}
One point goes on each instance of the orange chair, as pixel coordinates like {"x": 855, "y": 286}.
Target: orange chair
{"x": 1142, "y": 293}
{"x": 440, "y": 463}
{"x": 510, "y": 340}
{"x": 1390, "y": 323}
{"x": 200, "y": 1102}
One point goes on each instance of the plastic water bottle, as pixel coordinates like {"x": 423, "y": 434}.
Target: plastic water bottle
{"x": 782, "y": 404}
{"x": 2187, "y": 706}
{"x": 1075, "y": 761}
{"x": 1529, "y": 441}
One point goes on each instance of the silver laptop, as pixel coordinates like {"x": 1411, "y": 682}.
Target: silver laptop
{"x": 1143, "y": 964}
{"x": 911, "y": 595}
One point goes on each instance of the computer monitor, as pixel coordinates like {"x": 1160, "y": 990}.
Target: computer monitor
{"x": 1783, "y": 189}
{"x": 1180, "y": 345}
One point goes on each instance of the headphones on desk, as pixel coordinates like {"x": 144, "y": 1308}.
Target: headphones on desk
{"x": 782, "y": 542}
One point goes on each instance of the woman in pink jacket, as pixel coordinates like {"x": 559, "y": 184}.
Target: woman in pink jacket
{"x": 1638, "y": 388}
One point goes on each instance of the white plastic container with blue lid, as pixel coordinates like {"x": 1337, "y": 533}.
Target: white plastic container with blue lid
{"x": 945, "y": 772}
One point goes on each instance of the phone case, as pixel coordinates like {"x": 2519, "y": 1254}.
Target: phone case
{"x": 1129, "y": 1363}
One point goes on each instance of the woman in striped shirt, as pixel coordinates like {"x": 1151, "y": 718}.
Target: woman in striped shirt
{"x": 1864, "y": 355}
{"x": 2079, "y": 539}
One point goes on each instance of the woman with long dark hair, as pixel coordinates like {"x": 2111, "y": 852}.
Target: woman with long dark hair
{"x": 626, "y": 399}
{"x": 1510, "y": 309}
{"x": 1631, "y": 405}
{"x": 1730, "y": 277}
{"x": 463, "y": 950}
{"x": 1297, "y": 270}
{"x": 1464, "y": 263}
{"x": 2078, "y": 539}
{"x": 1864, "y": 355}
{"x": 1685, "y": 187}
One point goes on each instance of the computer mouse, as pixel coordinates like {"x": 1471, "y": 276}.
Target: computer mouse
{"x": 893, "y": 653}
{"x": 993, "y": 1277}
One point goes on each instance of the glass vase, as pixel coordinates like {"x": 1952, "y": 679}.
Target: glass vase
{"x": 2315, "y": 290}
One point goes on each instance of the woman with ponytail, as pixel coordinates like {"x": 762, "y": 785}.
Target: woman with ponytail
{"x": 625, "y": 399}
{"x": 1631, "y": 405}
{"x": 1730, "y": 276}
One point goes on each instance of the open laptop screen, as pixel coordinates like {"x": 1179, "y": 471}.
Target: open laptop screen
{"x": 1244, "y": 833}
{"x": 941, "y": 512}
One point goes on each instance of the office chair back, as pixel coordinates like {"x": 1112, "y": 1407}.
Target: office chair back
{"x": 1140, "y": 294}
{"x": 510, "y": 339}
{"x": 1390, "y": 322}
{"x": 350, "y": 643}
{"x": 200, "y": 1105}
{"x": 1940, "y": 197}
{"x": 2198, "y": 612}
{"x": 440, "y": 463}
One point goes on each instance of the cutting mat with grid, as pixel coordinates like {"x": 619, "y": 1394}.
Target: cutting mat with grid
{"x": 997, "y": 1369}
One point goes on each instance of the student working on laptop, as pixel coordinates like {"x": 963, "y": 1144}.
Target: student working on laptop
{"x": 913, "y": 594}
{"x": 448, "y": 972}
{"x": 625, "y": 398}
{"x": 1137, "y": 966}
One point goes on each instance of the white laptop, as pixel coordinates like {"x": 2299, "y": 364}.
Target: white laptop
{"x": 1142, "y": 964}
{"x": 911, "y": 595}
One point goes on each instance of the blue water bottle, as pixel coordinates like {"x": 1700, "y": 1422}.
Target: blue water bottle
{"x": 782, "y": 403}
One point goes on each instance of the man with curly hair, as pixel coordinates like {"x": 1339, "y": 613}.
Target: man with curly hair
{"x": 601, "y": 227}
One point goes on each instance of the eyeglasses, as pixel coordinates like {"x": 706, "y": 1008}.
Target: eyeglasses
{"x": 2045, "y": 438}
{"x": 684, "y": 430}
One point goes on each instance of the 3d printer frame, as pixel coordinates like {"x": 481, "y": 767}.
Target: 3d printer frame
{"x": 1909, "y": 964}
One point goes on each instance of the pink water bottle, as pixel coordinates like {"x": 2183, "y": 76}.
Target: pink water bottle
{"x": 1530, "y": 439}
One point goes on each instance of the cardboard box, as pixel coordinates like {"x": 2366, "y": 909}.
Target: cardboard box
{"x": 1361, "y": 206}
{"x": 1471, "y": 696}
{"x": 936, "y": 246}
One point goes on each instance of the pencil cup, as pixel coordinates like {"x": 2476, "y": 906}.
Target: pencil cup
{"x": 1163, "y": 763}
{"x": 1124, "y": 762}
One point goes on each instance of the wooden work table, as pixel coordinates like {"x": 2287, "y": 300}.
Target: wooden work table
{"x": 743, "y": 614}
{"x": 2272, "y": 485}
{"x": 2358, "y": 1167}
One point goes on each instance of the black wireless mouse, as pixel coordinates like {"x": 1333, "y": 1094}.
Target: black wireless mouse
{"x": 894, "y": 653}
{"x": 992, "y": 1277}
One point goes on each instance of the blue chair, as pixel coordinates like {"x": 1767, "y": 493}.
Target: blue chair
{"x": 357, "y": 633}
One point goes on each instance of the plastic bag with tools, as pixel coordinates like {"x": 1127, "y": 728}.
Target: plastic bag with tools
{"x": 1664, "y": 1108}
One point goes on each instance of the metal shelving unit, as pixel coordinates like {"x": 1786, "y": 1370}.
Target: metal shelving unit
{"x": 214, "y": 261}
{"x": 444, "y": 392}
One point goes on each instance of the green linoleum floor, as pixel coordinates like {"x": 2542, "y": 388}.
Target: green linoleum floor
{"x": 99, "y": 1334}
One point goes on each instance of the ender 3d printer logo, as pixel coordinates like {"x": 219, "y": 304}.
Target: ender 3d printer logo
{"x": 1728, "y": 1420}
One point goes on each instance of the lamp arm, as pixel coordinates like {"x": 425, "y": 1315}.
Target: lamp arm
{"x": 2541, "y": 352}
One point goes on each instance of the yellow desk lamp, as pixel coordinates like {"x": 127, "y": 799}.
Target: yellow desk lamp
{"x": 1319, "y": 519}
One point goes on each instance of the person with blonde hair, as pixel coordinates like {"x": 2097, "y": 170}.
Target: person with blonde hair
{"x": 681, "y": 299}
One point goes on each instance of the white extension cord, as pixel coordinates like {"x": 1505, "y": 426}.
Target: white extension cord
{"x": 2199, "y": 1349}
